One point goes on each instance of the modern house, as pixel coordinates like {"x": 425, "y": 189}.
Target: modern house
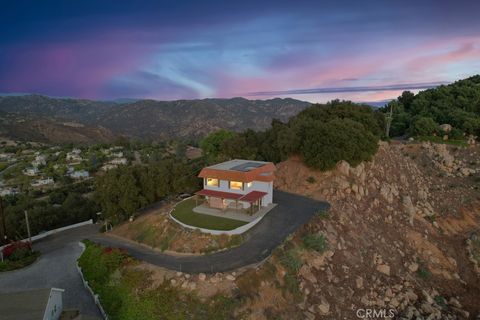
{"x": 238, "y": 184}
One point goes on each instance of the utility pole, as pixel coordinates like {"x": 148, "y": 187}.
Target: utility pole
{"x": 28, "y": 227}
{"x": 3, "y": 228}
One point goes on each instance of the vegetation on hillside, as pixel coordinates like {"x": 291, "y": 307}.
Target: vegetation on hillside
{"x": 127, "y": 293}
{"x": 457, "y": 104}
{"x": 322, "y": 134}
{"x": 122, "y": 191}
{"x": 57, "y": 210}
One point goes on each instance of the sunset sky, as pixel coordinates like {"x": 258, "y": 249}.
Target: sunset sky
{"x": 308, "y": 50}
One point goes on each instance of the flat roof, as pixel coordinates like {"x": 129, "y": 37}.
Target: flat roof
{"x": 24, "y": 305}
{"x": 239, "y": 165}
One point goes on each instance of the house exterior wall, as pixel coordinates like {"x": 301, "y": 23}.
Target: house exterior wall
{"x": 256, "y": 186}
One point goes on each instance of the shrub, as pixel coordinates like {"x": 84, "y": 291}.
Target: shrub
{"x": 10, "y": 249}
{"x": 291, "y": 261}
{"x": 311, "y": 179}
{"x": 423, "y": 126}
{"x": 322, "y": 213}
{"x": 292, "y": 286}
{"x": 423, "y": 272}
{"x": 316, "y": 242}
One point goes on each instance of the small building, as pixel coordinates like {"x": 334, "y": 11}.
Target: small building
{"x": 41, "y": 304}
{"x": 40, "y": 160}
{"x": 8, "y": 191}
{"x": 42, "y": 182}
{"x": 31, "y": 171}
{"x": 238, "y": 184}
{"x": 108, "y": 166}
{"x": 118, "y": 161}
{"x": 80, "y": 174}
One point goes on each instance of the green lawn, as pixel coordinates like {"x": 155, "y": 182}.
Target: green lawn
{"x": 183, "y": 212}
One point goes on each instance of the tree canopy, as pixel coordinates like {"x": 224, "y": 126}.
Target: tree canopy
{"x": 457, "y": 104}
{"x": 322, "y": 134}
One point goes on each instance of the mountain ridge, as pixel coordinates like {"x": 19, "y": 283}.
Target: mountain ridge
{"x": 159, "y": 119}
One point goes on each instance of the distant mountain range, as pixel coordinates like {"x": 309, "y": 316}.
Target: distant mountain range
{"x": 41, "y": 118}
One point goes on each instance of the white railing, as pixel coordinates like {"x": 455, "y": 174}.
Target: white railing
{"x": 235, "y": 231}
{"x": 50, "y": 232}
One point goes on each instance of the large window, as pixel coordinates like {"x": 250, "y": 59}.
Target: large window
{"x": 236, "y": 185}
{"x": 211, "y": 182}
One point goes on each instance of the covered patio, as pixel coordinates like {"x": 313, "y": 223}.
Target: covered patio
{"x": 220, "y": 200}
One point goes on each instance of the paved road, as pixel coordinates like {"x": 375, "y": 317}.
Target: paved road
{"x": 291, "y": 212}
{"x": 57, "y": 265}
{"x": 56, "y": 268}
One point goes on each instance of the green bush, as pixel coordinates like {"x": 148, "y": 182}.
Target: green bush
{"x": 291, "y": 261}
{"x": 423, "y": 126}
{"x": 20, "y": 254}
{"x": 311, "y": 179}
{"x": 322, "y": 213}
{"x": 423, "y": 272}
{"x": 316, "y": 242}
{"x": 126, "y": 293}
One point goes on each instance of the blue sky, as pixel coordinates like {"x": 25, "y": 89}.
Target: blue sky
{"x": 310, "y": 50}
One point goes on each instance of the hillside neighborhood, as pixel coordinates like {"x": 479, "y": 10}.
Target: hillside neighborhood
{"x": 239, "y": 160}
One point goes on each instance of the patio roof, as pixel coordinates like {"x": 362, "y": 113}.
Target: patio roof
{"x": 252, "y": 196}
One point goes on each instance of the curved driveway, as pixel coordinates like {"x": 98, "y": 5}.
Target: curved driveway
{"x": 291, "y": 212}
{"x": 57, "y": 265}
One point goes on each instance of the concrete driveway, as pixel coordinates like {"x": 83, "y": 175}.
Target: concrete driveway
{"x": 56, "y": 267}
{"x": 291, "y": 212}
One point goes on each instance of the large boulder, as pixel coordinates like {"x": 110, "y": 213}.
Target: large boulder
{"x": 445, "y": 127}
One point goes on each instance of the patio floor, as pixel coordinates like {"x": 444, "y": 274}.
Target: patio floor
{"x": 233, "y": 214}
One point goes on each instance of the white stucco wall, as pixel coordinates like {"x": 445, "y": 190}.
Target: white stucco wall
{"x": 256, "y": 186}
{"x": 54, "y": 305}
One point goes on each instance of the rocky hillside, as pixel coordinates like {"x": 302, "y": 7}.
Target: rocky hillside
{"x": 402, "y": 233}
{"x": 39, "y": 129}
{"x": 156, "y": 119}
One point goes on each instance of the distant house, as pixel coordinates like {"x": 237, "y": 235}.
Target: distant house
{"x": 42, "y": 182}
{"x": 238, "y": 184}
{"x": 8, "y": 191}
{"x": 117, "y": 154}
{"x": 31, "y": 171}
{"x": 108, "y": 166}
{"x": 6, "y": 156}
{"x": 74, "y": 155}
{"x": 80, "y": 174}
{"x": 42, "y": 304}
{"x": 40, "y": 160}
{"x": 118, "y": 161}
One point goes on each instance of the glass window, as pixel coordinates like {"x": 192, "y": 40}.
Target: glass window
{"x": 249, "y": 184}
{"x": 236, "y": 185}
{"x": 212, "y": 182}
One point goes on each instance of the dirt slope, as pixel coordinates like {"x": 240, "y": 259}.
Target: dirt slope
{"x": 397, "y": 231}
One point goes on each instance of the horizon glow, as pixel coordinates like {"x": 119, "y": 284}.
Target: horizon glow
{"x": 308, "y": 50}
